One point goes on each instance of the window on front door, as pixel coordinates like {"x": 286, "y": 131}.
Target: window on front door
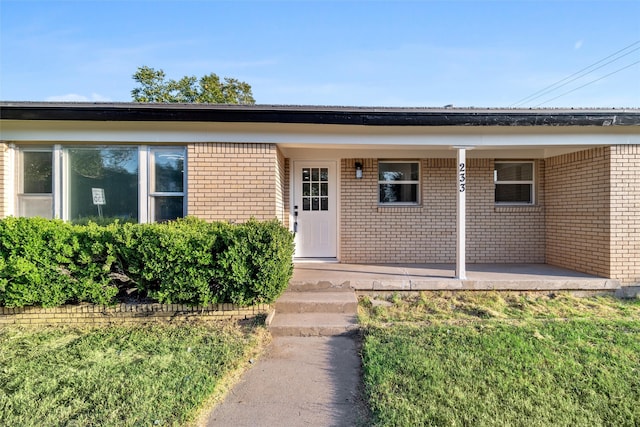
{"x": 315, "y": 189}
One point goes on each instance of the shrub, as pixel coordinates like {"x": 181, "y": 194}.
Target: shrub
{"x": 192, "y": 261}
{"x": 106, "y": 220}
{"x": 50, "y": 262}
{"x": 171, "y": 262}
{"x": 254, "y": 262}
{"x": 94, "y": 263}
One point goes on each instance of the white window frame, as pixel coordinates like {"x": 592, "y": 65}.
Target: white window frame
{"x": 60, "y": 178}
{"x": 418, "y": 190}
{"x": 151, "y": 181}
{"x": 19, "y": 178}
{"x": 531, "y": 182}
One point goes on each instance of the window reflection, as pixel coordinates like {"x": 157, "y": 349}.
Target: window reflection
{"x": 398, "y": 182}
{"x": 35, "y": 198}
{"x": 169, "y": 171}
{"x": 113, "y": 169}
{"x": 167, "y": 191}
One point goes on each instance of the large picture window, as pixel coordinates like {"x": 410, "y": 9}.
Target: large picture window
{"x": 35, "y": 183}
{"x": 105, "y": 183}
{"x": 514, "y": 182}
{"x": 109, "y": 171}
{"x": 398, "y": 182}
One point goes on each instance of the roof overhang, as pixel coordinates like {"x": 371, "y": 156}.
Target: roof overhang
{"x": 359, "y": 116}
{"x": 330, "y": 131}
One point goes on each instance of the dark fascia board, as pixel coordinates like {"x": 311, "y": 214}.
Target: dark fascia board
{"x": 363, "y": 116}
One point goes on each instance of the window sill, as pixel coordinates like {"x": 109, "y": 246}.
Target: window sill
{"x": 399, "y": 208}
{"x": 517, "y": 208}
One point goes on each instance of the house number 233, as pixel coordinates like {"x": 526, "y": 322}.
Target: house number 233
{"x": 462, "y": 177}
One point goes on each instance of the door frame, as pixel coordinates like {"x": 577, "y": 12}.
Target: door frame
{"x": 292, "y": 202}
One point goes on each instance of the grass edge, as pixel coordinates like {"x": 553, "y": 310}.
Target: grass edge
{"x": 226, "y": 384}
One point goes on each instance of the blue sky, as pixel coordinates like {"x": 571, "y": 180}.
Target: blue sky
{"x": 355, "y": 53}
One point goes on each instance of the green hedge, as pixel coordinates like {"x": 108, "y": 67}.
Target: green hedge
{"x": 50, "y": 262}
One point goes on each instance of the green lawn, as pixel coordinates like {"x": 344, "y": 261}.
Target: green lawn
{"x": 490, "y": 359}
{"x": 118, "y": 376}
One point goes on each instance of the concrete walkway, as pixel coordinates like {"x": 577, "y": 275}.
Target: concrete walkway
{"x": 315, "y": 380}
{"x": 300, "y": 381}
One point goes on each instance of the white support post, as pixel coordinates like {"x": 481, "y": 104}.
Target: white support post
{"x": 461, "y": 221}
{"x": 57, "y": 182}
{"x": 143, "y": 185}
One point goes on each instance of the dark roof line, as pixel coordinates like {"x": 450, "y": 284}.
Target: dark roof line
{"x": 364, "y": 116}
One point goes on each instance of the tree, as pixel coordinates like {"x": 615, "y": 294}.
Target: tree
{"x": 153, "y": 87}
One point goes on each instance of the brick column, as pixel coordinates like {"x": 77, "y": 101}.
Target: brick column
{"x": 625, "y": 213}
{"x": 235, "y": 182}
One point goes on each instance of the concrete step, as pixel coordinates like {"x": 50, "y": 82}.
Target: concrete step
{"x": 317, "y": 302}
{"x": 313, "y": 324}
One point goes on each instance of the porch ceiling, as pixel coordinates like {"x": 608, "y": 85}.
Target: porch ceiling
{"x": 316, "y": 151}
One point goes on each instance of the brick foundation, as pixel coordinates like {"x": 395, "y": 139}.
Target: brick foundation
{"x": 88, "y": 314}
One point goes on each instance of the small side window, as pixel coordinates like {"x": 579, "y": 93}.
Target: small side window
{"x": 35, "y": 183}
{"x": 167, "y": 183}
{"x": 514, "y": 183}
{"x": 398, "y": 182}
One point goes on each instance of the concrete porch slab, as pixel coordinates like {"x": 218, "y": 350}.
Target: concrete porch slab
{"x": 434, "y": 277}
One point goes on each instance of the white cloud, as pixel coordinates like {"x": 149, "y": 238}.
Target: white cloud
{"x": 74, "y": 97}
{"x": 578, "y": 44}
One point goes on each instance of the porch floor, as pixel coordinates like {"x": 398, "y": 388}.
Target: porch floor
{"x": 432, "y": 277}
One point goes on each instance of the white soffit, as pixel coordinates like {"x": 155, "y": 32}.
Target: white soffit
{"x": 404, "y": 152}
{"x": 314, "y": 135}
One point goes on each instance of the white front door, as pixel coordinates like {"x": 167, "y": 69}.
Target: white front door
{"x": 315, "y": 209}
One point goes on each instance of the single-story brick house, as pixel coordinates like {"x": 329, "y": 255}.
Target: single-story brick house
{"x": 358, "y": 185}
